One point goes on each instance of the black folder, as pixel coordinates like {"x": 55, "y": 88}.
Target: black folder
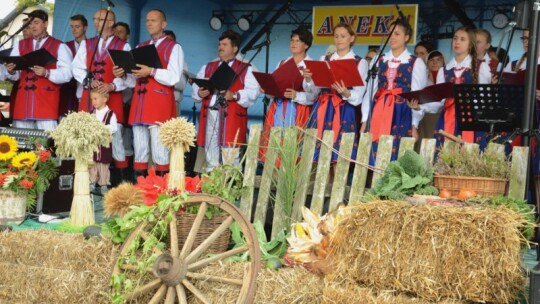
{"x": 4, "y": 98}
{"x": 221, "y": 80}
{"x": 128, "y": 60}
{"x": 40, "y": 57}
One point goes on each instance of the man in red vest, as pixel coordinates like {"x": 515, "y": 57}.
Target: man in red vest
{"x": 153, "y": 99}
{"x": 38, "y": 96}
{"x": 219, "y": 126}
{"x": 103, "y": 76}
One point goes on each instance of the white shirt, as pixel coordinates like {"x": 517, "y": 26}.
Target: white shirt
{"x": 80, "y": 68}
{"x": 484, "y": 77}
{"x": 3, "y": 71}
{"x": 357, "y": 93}
{"x": 248, "y": 95}
{"x": 61, "y": 74}
{"x": 113, "y": 124}
{"x": 181, "y": 85}
{"x": 523, "y": 66}
{"x": 419, "y": 75}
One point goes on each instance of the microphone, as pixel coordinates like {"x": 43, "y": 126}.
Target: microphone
{"x": 258, "y": 46}
{"x": 401, "y": 15}
{"x": 109, "y": 2}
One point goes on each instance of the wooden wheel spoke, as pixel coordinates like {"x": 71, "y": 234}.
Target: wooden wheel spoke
{"x": 206, "y": 277}
{"x": 171, "y": 295}
{"x": 159, "y": 295}
{"x": 195, "y": 291}
{"x": 211, "y": 238}
{"x": 181, "y": 293}
{"x": 135, "y": 268}
{"x": 220, "y": 256}
{"x": 188, "y": 244}
{"x": 173, "y": 235}
{"x": 143, "y": 289}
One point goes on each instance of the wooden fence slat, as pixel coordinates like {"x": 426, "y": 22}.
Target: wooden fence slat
{"x": 342, "y": 171}
{"x": 323, "y": 170}
{"x": 268, "y": 172}
{"x": 427, "y": 150}
{"x": 304, "y": 173}
{"x": 250, "y": 170}
{"x": 518, "y": 172}
{"x": 496, "y": 148}
{"x": 282, "y": 201}
{"x": 405, "y": 144}
{"x": 358, "y": 184}
{"x": 384, "y": 152}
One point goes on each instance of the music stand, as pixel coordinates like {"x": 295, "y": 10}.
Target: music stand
{"x": 489, "y": 108}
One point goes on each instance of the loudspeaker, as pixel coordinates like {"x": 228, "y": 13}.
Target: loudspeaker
{"x": 522, "y": 12}
{"x": 59, "y": 196}
{"x": 534, "y": 285}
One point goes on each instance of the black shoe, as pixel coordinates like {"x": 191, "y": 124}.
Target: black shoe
{"x": 161, "y": 173}
{"x": 142, "y": 173}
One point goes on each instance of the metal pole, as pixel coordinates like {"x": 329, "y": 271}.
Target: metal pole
{"x": 530, "y": 78}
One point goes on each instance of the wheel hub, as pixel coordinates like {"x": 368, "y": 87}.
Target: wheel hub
{"x": 171, "y": 270}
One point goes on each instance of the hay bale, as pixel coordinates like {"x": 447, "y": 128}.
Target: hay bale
{"x": 285, "y": 286}
{"x": 433, "y": 252}
{"x": 42, "y": 266}
{"x": 347, "y": 292}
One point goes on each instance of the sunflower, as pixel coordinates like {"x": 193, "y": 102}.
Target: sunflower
{"x": 8, "y": 147}
{"x": 24, "y": 159}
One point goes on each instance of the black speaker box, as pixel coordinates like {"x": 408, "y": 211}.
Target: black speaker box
{"x": 59, "y": 196}
{"x": 534, "y": 285}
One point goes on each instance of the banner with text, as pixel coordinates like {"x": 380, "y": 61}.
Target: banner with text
{"x": 370, "y": 22}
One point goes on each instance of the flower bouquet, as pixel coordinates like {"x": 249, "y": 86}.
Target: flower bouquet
{"x": 23, "y": 174}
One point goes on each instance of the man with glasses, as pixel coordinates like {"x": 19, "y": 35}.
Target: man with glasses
{"x": 103, "y": 79}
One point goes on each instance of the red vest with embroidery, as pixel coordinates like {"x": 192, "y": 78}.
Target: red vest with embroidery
{"x": 233, "y": 118}
{"x": 152, "y": 101}
{"x": 102, "y": 69}
{"x": 37, "y": 97}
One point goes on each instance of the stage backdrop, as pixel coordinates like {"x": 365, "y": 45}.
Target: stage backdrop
{"x": 371, "y": 22}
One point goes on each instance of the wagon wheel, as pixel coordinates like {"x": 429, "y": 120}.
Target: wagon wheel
{"x": 176, "y": 268}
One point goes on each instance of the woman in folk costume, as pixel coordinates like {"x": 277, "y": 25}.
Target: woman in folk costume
{"x": 398, "y": 71}
{"x": 294, "y": 110}
{"x": 334, "y": 108}
{"x": 464, "y": 68}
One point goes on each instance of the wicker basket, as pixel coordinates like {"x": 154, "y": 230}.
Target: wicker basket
{"x": 184, "y": 223}
{"x": 481, "y": 185}
{"x": 12, "y": 207}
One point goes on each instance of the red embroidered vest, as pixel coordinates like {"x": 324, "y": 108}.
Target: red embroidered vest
{"x": 102, "y": 70}
{"x": 37, "y": 97}
{"x": 152, "y": 101}
{"x": 234, "y": 116}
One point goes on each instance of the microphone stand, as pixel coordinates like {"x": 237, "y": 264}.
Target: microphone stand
{"x": 508, "y": 44}
{"x": 372, "y": 73}
{"x": 25, "y": 25}
{"x": 89, "y": 74}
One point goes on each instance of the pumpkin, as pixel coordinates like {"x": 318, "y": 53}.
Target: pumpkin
{"x": 444, "y": 193}
{"x": 466, "y": 193}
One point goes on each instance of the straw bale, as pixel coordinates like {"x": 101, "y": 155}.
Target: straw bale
{"x": 43, "y": 266}
{"x": 284, "y": 286}
{"x": 347, "y": 292}
{"x": 432, "y": 252}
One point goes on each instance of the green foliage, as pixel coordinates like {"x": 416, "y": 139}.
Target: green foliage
{"x": 270, "y": 250}
{"x": 29, "y": 3}
{"x": 404, "y": 177}
{"x": 458, "y": 160}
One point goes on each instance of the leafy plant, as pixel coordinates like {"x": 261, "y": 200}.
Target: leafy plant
{"x": 459, "y": 160}
{"x": 406, "y": 176}
{"x": 271, "y": 251}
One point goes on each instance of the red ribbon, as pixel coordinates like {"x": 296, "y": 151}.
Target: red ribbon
{"x": 450, "y": 116}
{"x": 321, "y": 113}
{"x": 383, "y": 112}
